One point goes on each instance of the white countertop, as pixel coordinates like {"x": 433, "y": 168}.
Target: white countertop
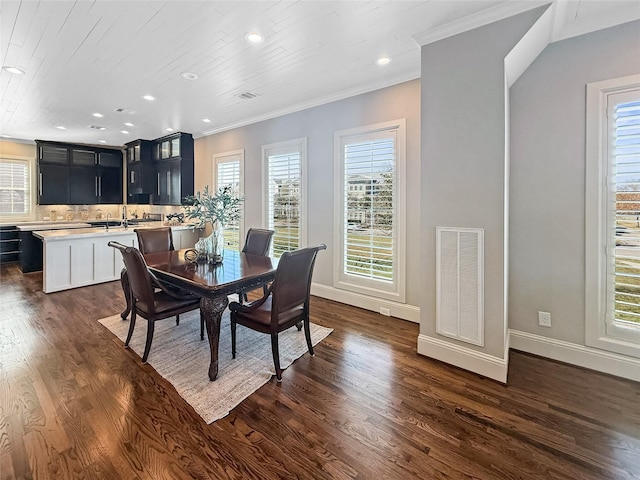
{"x": 25, "y": 227}
{"x": 66, "y": 234}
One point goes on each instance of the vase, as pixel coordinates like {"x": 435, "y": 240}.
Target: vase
{"x": 216, "y": 245}
{"x": 202, "y": 248}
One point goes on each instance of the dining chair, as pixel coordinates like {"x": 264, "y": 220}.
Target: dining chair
{"x": 150, "y": 240}
{"x": 258, "y": 242}
{"x": 149, "y": 297}
{"x": 285, "y": 304}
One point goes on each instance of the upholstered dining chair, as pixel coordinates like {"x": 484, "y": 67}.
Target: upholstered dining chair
{"x": 149, "y": 298}
{"x": 258, "y": 242}
{"x": 150, "y": 240}
{"x": 285, "y": 304}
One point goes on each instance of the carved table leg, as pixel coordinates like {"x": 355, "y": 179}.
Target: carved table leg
{"x": 212, "y": 309}
{"x": 124, "y": 281}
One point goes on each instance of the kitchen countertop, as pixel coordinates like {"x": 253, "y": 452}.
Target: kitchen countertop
{"x": 67, "y": 234}
{"x": 31, "y": 226}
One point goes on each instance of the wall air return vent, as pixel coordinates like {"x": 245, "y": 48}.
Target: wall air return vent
{"x": 247, "y": 95}
{"x": 460, "y": 284}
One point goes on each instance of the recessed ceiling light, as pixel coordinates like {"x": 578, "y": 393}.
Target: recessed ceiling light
{"x": 189, "y": 75}
{"x": 254, "y": 37}
{"x": 206, "y": 120}
{"x": 383, "y": 61}
{"x": 14, "y": 70}
{"x": 102, "y": 141}
{"x": 129, "y": 124}
{"x": 98, "y": 115}
{"x": 169, "y": 129}
{"x": 150, "y": 98}
{"x": 60, "y": 127}
{"x": 126, "y": 132}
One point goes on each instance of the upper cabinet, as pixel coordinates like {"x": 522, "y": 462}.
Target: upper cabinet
{"x": 140, "y": 172}
{"x": 160, "y": 171}
{"x": 173, "y": 159}
{"x": 78, "y": 174}
{"x": 53, "y": 153}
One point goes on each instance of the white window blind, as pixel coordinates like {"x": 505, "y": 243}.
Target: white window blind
{"x": 284, "y": 177}
{"x": 369, "y": 206}
{"x": 228, "y": 174}
{"x": 623, "y": 287}
{"x": 14, "y": 188}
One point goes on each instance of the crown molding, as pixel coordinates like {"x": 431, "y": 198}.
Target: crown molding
{"x": 498, "y": 12}
{"x": 316, "y": 102}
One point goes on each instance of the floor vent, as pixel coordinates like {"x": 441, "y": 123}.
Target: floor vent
{"x": 460, "y": 284}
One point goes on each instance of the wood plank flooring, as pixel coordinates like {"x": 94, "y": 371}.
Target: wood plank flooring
{"x": 75, "y": 404}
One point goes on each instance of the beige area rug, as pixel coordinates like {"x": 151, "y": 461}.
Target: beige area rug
{"x": 178, "y": 354}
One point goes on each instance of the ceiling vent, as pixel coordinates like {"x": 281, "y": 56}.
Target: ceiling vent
{"x": 97, "y": 127}
{"x": 125, "y": 110}
{"x": 247, "y": 95}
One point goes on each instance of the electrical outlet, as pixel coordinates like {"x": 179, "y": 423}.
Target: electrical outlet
{"x": 385, "y": 311}
{"x": 544, "y": 319}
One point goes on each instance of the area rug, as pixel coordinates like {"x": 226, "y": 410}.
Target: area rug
{"x": 178, "y": 354}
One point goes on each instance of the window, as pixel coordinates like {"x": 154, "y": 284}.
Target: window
{"x": 613, "y": 215}
{"x": 228, "y": 171}
{"x": 370, "y": 208}
{"x": 285, "y": 185}
{"x": 15, "y": 188}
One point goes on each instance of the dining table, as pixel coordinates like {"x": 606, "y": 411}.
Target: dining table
{"x": 212, "y": 283}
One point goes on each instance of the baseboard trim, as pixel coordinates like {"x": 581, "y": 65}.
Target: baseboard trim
{"x": 578, "y": 355}
{"x": 465, "y": 358}
{"x": 398, "y": 310}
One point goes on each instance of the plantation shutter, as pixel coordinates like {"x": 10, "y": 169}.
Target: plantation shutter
{"x": 369, "y": 205}
{"x": 284, "y": 177}
{"x": 624, "y": 120}
{"x": 228, "y": 174}
{"x": 14, "y": 187}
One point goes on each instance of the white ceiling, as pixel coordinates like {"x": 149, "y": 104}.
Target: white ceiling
{"x": 84, "y": 57}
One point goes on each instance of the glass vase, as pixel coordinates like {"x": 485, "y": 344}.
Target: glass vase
{"x": 216, "y": 245}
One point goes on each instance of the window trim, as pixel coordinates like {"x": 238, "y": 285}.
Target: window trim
{"x": 397, "y": 290}
{"x": 30, "y": 162}
{"x": 220, "y": 158}
{"x": 287, "y": 145}
{"x": 596, "y": 160}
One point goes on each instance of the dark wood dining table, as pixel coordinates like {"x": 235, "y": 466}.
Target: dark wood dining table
{"x": 213, "y": 283}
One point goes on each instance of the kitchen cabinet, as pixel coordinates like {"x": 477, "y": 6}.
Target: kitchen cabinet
{"x": 140, "y": 171}
{"x": 53, "y": 153}
{"x": 83, "y": 157}
{"x": 9, "y": 244}
{"x": 53, "y": 184}
{"x": 78, "y": 174}
{"x": 97, "y": 184}
{"x": 83, "y": 257}
{"x": 30, "y": 252}
{"x": 173, "y": 159}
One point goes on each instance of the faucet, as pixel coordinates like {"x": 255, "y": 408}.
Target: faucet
{"x": 125, "y": 222}
{"x": 108, "y": 217}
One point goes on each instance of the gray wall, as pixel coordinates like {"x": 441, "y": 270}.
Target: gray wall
{"x": 463, "y": 158}
{"x": 318, "y": 124}
{"x": 547, "y": 240}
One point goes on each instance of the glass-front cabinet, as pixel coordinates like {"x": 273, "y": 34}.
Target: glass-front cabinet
{"x": 173, "y": 155}
{"x": 160, "y": 171}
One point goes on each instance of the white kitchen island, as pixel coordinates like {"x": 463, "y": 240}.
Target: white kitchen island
{"x": 80, "y": 257}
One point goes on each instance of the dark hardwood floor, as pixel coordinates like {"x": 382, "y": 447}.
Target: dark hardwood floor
{"x": 75, "y": 404}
